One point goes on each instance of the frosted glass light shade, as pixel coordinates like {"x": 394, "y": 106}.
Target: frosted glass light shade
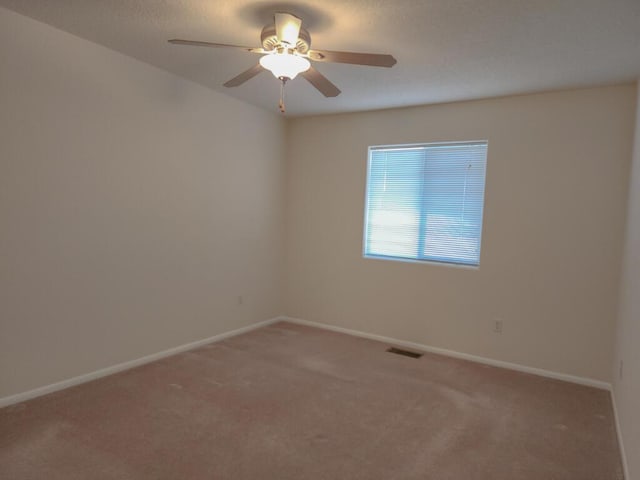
{"x": 285, "y": 65}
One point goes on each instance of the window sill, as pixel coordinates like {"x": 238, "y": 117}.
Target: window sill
{"x": 422, "y": 262}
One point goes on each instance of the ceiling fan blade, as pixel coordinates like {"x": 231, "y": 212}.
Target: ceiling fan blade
{"x": 315, "y": 78}
{"x": 196, "y": 43}
{"x": 244, "y": 76}
{"x": 371, "y": 59}
{"x": 287, "y": 28}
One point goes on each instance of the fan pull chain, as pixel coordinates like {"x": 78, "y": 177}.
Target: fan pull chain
{"x": 281, "y": 104}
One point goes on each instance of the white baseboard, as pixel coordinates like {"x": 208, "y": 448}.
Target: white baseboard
{"x": 70, "y": 382}
{"x": 21, "y": 397}
{"x": 623, "y": 455}
{"x": 590, "y": 382}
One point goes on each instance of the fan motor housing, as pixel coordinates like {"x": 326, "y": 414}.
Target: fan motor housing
{"x": 270, "y": 39}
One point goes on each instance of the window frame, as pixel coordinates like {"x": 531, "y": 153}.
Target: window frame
{"x": 423, "y": 261}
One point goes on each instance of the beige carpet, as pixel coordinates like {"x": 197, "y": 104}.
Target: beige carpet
{"x": 293, "y": 402}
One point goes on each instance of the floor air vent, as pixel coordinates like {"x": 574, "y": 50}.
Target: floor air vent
{"x": 406, "y": 353}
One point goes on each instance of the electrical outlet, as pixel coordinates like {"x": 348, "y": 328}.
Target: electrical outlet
{"x": 620, "y": 369}
{"x": 497, "y": 326}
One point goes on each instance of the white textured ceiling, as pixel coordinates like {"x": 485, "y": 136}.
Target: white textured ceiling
{"x": 447, "y": 50}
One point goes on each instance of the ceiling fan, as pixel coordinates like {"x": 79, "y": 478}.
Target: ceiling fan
{"x": 286, "y": 53}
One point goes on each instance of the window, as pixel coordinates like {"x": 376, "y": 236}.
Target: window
{"x": 424, "y": 202}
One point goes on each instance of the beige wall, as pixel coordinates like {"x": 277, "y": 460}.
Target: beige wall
{"x": 551, "y": 249}
{"x": 134, "y": 208}
{"x": 134, "y": 212}
{"x": 627, "y": 386}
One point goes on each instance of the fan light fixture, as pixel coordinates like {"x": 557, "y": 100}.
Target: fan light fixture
{"x": 286, "y": 53}
{"x": 285, "y": 65}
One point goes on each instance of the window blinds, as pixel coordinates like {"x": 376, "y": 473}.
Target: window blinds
{"x": 424, "y": 202}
